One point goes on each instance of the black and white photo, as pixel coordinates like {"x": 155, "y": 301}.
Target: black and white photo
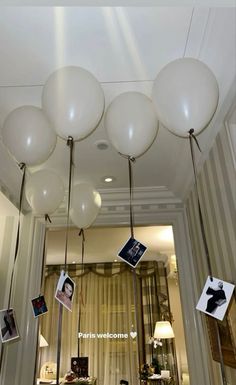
{"x": 8, "y": 327}
{"x": 132, "y": 252}
{"x": 215, "y": 297}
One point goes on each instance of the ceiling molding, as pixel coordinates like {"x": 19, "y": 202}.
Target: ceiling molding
{"x": 119, "y": 215}
{"x": 146, "y": 202}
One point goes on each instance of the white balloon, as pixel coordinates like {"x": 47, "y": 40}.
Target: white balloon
{"x": 131, "y": 123}
{"x": 73, "y": 101}
{"x": 85, "y": 205}
{"x": 28, "y": 135}
{"x": 185, "y": 94}
{"x": 44, "y": 191}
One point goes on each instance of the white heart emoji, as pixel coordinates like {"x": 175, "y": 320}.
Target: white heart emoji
{"x": 133, "y": 334}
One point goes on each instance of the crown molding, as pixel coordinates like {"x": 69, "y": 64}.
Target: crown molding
{"x": 147, "y": 205}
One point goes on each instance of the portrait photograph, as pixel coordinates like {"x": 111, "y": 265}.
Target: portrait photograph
{"x": 8, "y": 326}
{"x": 39, "y": 306}
{"x": 132, "y": 252}
{"x": 215, "y": 298}
{"x": 65, "y": 290}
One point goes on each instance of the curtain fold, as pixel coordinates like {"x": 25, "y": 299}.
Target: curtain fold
{"x": 104, "y": 302}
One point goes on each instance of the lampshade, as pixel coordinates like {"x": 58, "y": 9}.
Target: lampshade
{"x": 163, "y": 329}
{"x": 42, "y": 342}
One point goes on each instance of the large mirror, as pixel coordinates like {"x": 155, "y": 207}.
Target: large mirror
{"x": 109, "y": 334}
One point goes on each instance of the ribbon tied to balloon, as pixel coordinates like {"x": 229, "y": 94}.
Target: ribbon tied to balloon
{"x": 73, "y": 101}
{"x": 185, "y": 94}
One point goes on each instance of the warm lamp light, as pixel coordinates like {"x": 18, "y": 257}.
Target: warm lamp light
{"x": 42, "y": 342}
{"x": 163, "y": 330}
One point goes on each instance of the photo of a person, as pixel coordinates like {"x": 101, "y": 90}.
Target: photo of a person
{"x": 39, "y": 306}
{"x": 65, "y": 290}
{"x": 8, "y": 328}
{"x": 217, "y": 298}
{"x": 132, "y": 252}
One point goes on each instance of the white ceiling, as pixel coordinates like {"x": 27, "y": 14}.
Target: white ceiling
{"x": 124, "y": 48}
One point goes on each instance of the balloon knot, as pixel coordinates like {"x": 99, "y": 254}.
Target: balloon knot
{"x": 81, "y": 233}
{"x": 69, "y": 140}
{"x": 47, "y": 218}
{"x": 22, "y": 165}
{"x": 191, "y": 131}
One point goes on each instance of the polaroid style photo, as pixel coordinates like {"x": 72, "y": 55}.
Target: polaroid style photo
{"x": 215, "y": 298}
{"x": 132, "y": 252}
{"x": 65, "y": 290}
{"x": 39, "y": 306}
{"x": 8, "y": 326}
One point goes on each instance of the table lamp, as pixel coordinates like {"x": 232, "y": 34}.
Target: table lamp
{"x": 163, "y": 330}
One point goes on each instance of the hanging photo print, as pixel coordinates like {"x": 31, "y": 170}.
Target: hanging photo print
{"x": 8, "y": 327}
{"x": 132, "y": 252}
{"x": 65, "y": 290}
{"x": 39, "y": 306}
{"x": 215, "y": 298}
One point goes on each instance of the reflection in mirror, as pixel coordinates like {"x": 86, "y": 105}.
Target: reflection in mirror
{"x": 111, "y": 322}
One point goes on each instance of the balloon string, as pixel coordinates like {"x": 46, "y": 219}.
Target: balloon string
{"x": 191, "y": 138}
{"x": 70, "y": 143}
{"x": 81, "y": 233}
{"x": 130, "y": 160}
{"x": 46, "y": 218}
{"x": 59, "y": 333}
{"x": 136, "y": 315}
{"x": 22, "y": 167}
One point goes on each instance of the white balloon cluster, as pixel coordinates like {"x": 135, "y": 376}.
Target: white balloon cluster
{"x": 73, "y": 104}
{"x": 185, "y": 96}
